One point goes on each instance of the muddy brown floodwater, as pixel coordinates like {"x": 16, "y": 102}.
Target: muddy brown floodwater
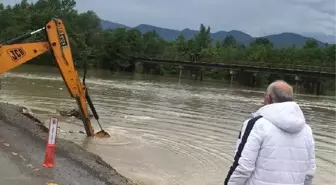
{"x": 164, "y": 132}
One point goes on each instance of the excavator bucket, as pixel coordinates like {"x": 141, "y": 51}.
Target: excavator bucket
{"x": 102, "y": 134}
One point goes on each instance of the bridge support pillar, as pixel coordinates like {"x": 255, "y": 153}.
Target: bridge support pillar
{"x": 254, "y": 80}
{"x": 181, "y": 72}
{"x": 317, "y": 87}
{"x": 201, "y": 75}
{"x": 232, "y": 74}
{"x": 297, "y": 84}
{"x": 139, "y": 67}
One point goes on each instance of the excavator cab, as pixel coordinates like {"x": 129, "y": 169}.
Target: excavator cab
{"x": 13, "y": 54}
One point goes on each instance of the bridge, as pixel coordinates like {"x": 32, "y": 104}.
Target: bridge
{"x": 298, "y": 70}
{"x": 303, "y": 74}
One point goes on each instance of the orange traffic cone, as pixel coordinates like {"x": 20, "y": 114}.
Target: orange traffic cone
{"x": 51, "y": 144}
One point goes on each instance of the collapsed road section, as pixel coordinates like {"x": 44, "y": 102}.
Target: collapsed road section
{"x": 22, "y": 149}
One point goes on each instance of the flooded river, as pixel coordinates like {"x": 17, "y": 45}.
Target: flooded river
{"x": 164, "y": 132}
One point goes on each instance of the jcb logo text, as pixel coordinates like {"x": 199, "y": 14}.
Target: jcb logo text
{"x": 16, "y": 53}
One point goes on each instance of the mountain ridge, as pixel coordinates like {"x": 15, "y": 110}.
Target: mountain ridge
{"x": 279, "y": 40}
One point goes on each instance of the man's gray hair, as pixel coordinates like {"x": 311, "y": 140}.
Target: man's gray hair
{"x": 279, "y": 95}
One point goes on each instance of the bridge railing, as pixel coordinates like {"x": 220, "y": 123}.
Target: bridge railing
{"x": 294, "y": 66}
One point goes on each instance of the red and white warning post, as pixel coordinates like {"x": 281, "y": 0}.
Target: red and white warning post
{"x": 50, "y": 150}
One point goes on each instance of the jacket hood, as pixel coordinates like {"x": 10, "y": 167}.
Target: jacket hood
{"x": 288, "y": 116}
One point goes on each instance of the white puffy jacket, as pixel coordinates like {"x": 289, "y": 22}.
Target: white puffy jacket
{"x": 275, "y": 147}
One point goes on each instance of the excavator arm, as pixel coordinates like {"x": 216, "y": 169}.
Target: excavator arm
{"x": 13, "y": 54}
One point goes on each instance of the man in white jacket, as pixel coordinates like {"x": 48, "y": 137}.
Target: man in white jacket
{"x": 276, "y": 146}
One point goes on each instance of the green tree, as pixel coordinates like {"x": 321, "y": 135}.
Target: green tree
{"x": 262, "y": 41}
{"x": 229, "y": 41}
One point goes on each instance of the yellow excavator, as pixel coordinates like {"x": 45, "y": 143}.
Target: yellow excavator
{"x": 13, "y": 54}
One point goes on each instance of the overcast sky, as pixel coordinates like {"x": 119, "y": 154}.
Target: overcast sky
{"x": 255, "y": 17}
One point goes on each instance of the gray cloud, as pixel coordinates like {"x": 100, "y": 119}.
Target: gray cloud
{"x": 256, "y": 17}
{"x": 323, "y": 6}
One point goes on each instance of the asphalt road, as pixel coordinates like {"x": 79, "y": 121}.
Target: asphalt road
{"x": 14, "y": 172}
{"x": 22, "y": 150}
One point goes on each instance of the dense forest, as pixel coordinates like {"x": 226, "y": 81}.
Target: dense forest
{"x": 112, "y": 49}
